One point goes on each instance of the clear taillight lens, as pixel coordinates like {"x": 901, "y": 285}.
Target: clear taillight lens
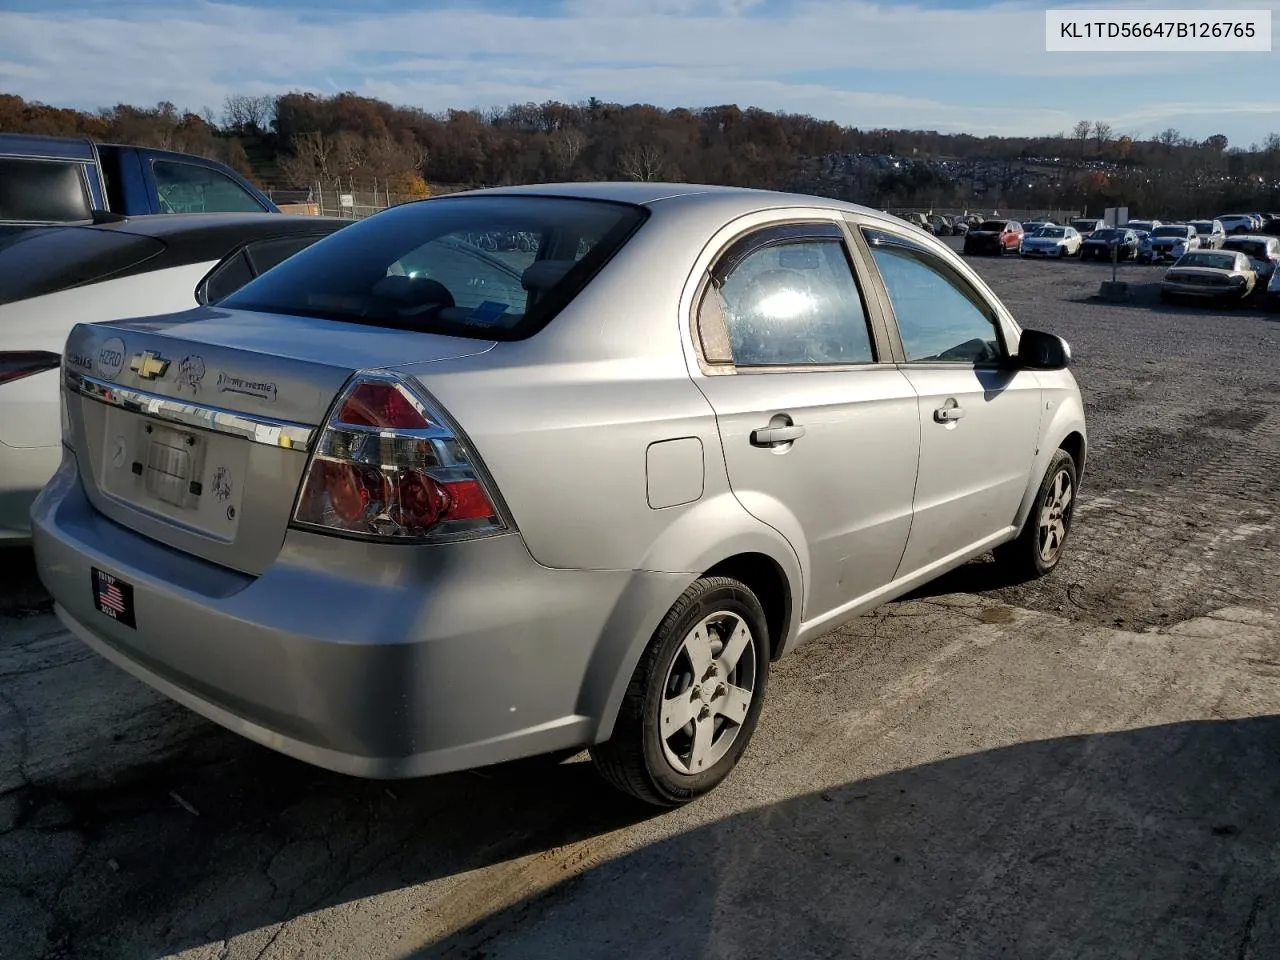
{"x": 390, "y": 466}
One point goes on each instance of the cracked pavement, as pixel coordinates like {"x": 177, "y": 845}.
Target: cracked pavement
{"x": 1080, "y": 767}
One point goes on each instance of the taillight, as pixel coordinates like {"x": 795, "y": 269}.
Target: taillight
{"x": 16, "y": 364}
{"x": 390, "y": 466}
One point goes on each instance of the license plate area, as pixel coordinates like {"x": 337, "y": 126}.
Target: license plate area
{"x": 192, "y": 478}
{"x": 172, "y": 459}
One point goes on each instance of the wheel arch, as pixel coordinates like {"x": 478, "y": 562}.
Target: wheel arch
{"x": 750, "y": 551}
{"x": 1064, "y": 429}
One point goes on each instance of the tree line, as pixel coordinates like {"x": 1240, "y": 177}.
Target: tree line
{"x": 297, "y": 139}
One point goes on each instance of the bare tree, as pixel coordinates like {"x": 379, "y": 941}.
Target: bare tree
{"x": 245, "y": 114}
{"x": 566, "y": 147}
{"x": 1101, "y": 133}
{"x": 643, "y": 162}
{"x": 1080, "y": 133}
{"x": 309, "y": 160}
{"x": 1169, "y": 138}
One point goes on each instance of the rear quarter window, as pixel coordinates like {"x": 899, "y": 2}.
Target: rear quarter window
{"x": 43, "y": 191}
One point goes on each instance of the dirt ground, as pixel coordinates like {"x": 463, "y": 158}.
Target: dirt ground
{"x": 1081, "y": 767}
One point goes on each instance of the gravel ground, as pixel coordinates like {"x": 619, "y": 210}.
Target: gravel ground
{"x": 1080, "y": 767}
{"x": 1183, "y": 407}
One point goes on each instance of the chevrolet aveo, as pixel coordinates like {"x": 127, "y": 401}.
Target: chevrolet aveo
{"x": 533, "y": 469}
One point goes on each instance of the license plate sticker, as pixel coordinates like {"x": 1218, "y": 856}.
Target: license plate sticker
{"x": 113, "y": 597}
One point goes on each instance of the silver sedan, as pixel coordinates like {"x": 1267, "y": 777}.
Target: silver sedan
{"x": 534, "y": 469}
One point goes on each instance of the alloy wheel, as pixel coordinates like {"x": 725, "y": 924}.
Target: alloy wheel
{"x": 1055, "y": 517}
{"x": 707, "y": 693}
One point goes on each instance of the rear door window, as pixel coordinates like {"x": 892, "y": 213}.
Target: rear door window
{"x": 43, "y": 191}
{"x": 793, "y": 303}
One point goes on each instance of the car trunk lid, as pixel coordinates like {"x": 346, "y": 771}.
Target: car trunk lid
{"x": 194, "y": 429}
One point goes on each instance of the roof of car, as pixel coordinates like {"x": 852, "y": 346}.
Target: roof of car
{"x": 646, "y": 193}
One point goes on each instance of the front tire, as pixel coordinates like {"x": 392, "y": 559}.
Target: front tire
{"x": 1038, "y": 548}
{"x": 694, "y": 699}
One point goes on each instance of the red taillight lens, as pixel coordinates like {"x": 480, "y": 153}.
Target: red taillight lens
{"x": 388, "y": 466}
{"x": 383, "y": 404}
{"x": 16, "y": 364}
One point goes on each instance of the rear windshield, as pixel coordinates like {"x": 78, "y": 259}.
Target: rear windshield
{"x": 44, "y": 260}
{"x": 1109, "y": 234}
{"x": 43, "y": 191}
{"x": 1250, "y": 248}
{"x": 1144, "y": 225}
{"x": 1084, "y": 224}
{"x": 993, "y": 225}
{"x": 491, "y": 267}
{"x": 1169, "y": 232}
{"x": 1053, "y": 233}
{"x": 1218, "y": 261}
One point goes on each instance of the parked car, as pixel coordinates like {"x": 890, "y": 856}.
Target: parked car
{"x": 381, "y": 446}
{"x": 960, "y": 226}
{"x": 1272, "y": 298}
{"x": 993, "y": 236}
{"x": 939, "y": 225}
{"x": 1051, "y": 242}
{"x": 1142, "y": 226}
{"x": 1263, "y": 253}
{"x": 1102, "y": 243}
{"x": 1086, "y": 226}
{"x": 48, "y": 180}
{"x": 1159, "y": 245}
{"x": 1271, "y": 227}
{"x": 1210, "y": 232}
{"x": 1236, "y": 223}
{"x": 1210, "y": 274}
{"x": 918, "y": 220}
{"x": 1034, "y": 225}
{"x": 52, "y": 278}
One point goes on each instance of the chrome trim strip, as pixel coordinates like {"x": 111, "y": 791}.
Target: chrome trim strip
{"x": 272, "y": 433}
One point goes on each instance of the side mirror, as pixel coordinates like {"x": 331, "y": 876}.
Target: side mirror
{"x": 1043, "y": 351}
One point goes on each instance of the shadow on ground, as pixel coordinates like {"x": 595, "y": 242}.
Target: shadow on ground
{"x": 1158, "y": 843}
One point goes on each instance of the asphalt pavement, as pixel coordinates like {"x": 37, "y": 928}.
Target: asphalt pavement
{"x": 1082, "y": 767}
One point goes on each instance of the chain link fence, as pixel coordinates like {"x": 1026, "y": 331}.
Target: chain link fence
{"x": 351, "y": 200}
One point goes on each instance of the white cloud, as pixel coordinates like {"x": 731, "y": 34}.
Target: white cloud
{"x": 668, "y": 52}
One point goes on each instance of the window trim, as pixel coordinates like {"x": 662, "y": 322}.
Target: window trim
{"x": 1006, "y": 331}
{"x": 750, "y": 240}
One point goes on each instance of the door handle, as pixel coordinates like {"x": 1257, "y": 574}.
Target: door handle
{"x": 948, "y": 414}
{"x": 776, "y": 436}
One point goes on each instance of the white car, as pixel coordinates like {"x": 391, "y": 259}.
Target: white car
{"x": 1263, "y": 253}
{"x": 1052, "y": 242}
{"x": 52, "y": 278}
{"x": 1210, "y": 232}
{"x": 1239, "y": 222}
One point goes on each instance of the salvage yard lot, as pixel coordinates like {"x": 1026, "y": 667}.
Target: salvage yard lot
{"x": 1086, "y": 766}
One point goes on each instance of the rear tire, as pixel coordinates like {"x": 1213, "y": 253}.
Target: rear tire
{"x": 1039, "y": 546}
{"x": 708, "y": 665}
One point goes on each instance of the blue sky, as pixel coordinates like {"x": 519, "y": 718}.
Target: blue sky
{"x": 962, "y": 65}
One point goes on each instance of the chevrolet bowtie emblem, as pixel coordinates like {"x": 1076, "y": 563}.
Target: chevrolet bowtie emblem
{"x": 148, "y": 365}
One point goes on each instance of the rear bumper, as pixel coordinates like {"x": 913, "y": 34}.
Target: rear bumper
{"x": 1208, "y": 292}
{"x": 372, "y": 660}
